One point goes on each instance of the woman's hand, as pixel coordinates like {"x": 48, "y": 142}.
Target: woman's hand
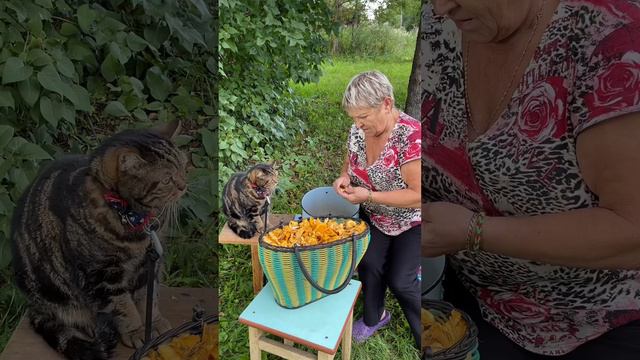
{"x": 444, "y": 228}
{"x": 341, "y": 184}
{"x": 355, "y": 195}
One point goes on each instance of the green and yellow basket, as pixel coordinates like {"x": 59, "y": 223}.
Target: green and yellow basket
{"x": 303, "y": 274}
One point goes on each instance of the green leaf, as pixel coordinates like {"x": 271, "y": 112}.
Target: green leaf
{"x": 211, "y": 65}
{"x": 86, "y": 17}
{"x": 18, "y": 177}
{"x": 15, "y": 70}
{"x": 154, "y": 106}
{"x": 32, "y": 151}
{"x": 6, "y": 99}
{"x": 185, "y": 103}
{"x": 29, "y": 90}
{"x": 68, "y": 113}
{"x": 50, "y": 80}
{"x": 120, "y": 53}
{"x": 208, "y": 110}
{"x": 135, "y": 42}
{"x": 111, "y": 68}
{"x": 115, "y": 108}
{"x": 63, "y": 7}
{"x": 158, "y": 84}
{"x": 35, "y": 25}
{"x": 65, "y": 66}
{"x": 68, "y": 29}
{"x": 77, "y": 50}
{"x": 80, "y": 98}
{"x": 45, "y": 4}
{"x": 182, "y": 140}
{"x": 49, "y": 111}
{"x": 209, "y": 142}
{"x": 112, "y": 25}
{"x": 6, "y": 133}
{"x": 202, "y": 7}
{"x": 140, "y": 115}
{"x": 38, "y": 57}
{"x": 156, "y": 36}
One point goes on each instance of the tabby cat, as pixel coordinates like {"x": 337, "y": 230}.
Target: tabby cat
{"x": 245, "y": 199}
{"x": 78, "y": 241}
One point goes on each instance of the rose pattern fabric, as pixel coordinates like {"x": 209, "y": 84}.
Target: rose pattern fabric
{"x": 526, "y": 165}
{"x": 617, "y": 86}
{"x": 542, "y": 111}
{"x": 403, "y": 145}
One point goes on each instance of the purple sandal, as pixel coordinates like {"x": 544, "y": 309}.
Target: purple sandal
{"x": 362, "y": 332}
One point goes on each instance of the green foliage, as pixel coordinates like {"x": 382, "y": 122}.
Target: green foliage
{"x": 74, "y": 72}
{"x": 399, "y": 13}
{"x": 348, "y": 12}
{"x": 263, "y": 46}
{"x": 375, "y": 41}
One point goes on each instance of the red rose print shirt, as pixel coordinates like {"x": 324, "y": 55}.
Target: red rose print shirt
{"x": 586, "y": 70}
{"x": 403, "y": 146}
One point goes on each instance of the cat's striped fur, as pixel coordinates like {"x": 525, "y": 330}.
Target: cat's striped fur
{"x": 80, "y": 267}
{"x": 245, "y": 199}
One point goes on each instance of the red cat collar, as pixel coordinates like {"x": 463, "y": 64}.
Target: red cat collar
{"x": 137, "y": 221}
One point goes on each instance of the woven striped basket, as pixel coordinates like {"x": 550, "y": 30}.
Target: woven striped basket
{"x": 466, "y": 348}
{"x": 303, "y": 274}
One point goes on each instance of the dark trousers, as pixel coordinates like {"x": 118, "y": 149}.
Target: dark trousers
{"x": 392, "y": 261}
{"x": 622, "y": 343}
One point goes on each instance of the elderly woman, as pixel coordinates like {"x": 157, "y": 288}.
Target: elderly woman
{"x": 531, "y": 169}
{"x": 382, "y": 173}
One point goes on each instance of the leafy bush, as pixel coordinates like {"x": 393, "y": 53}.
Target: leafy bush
{"x": 74, "y": 72}
{"x": 376, "y": 41}
{"x": 263, "y": 46}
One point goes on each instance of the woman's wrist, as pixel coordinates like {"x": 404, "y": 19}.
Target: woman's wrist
{"x": 474, "y": 232}
{"x": 369, "y": 196}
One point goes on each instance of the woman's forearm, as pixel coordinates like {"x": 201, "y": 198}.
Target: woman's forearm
{"x": 593, "y": 238}
{"x": 405, "y": 198}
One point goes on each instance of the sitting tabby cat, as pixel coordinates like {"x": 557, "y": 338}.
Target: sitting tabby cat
{"x": 79, "y": 244}
{"x": 245, "y": 199}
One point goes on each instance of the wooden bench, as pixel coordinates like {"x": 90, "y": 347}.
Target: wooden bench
{"x": 176, "y": 305}
{"x": 321, "y": 325}
{"x": 227, "y": 236}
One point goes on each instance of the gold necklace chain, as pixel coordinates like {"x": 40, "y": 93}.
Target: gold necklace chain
{"x": 498, "y": 107}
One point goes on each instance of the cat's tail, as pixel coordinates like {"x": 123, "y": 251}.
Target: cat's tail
{"x": 73, "y": 341}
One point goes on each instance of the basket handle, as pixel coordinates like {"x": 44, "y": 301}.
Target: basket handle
{"x": 305, "y": 272}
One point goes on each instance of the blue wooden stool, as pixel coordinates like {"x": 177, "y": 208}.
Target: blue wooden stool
{"x": 319, "y": 325}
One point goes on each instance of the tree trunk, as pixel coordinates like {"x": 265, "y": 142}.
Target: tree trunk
{"x": 412, "y": 105}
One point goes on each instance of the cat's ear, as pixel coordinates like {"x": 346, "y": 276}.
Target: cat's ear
{"x": 117, "y": 160}
{"x": 275, "y": 165}
{"x": 168, "y": 130}
{"x": 129, "y": 159}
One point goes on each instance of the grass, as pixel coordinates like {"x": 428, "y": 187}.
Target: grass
{"x": 313, "y": 160}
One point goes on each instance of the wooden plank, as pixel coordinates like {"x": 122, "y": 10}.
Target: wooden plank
{"x": 254, "y": 348}
{"x": 284, "y": 350}
{"x": 175, "y": 303}
{"x": 256, "y": 270}
{"x": 325, "y": 356}
{"x": 318, "y": 325}
{"x": 346, "y": 338}
{"x": 227, "y": 236}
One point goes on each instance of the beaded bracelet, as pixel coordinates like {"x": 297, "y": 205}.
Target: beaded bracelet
{"x": 474, "y": 232}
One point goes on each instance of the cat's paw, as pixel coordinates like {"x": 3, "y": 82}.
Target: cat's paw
{"x": 134, "y": 338}
{"x": 246, "y": 234}
{"x": 160, "y": 326}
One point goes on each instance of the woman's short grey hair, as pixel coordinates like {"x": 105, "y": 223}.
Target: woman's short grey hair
{"x": 367, "y": 90}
